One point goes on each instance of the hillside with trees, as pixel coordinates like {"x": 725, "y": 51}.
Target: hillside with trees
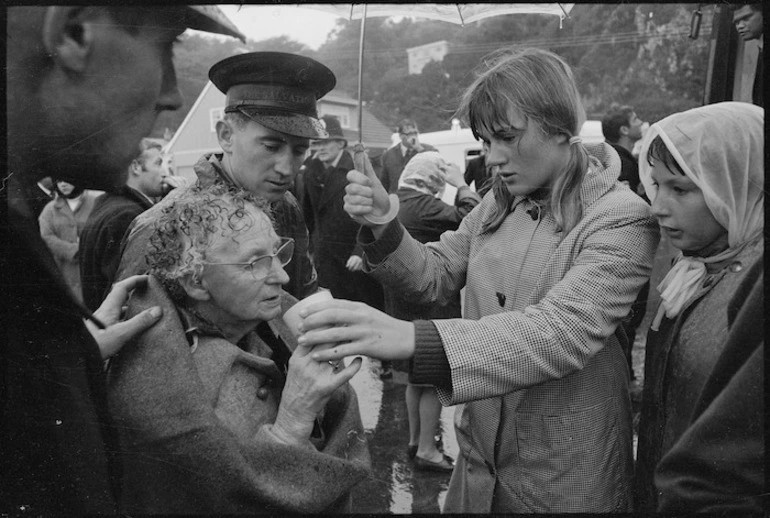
{"x": 637, "y": 54}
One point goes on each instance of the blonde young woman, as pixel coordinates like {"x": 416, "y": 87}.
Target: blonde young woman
{"x": 551, "y": 260}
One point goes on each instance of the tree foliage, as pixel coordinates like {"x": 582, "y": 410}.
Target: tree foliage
{"x": 637, "y": 54}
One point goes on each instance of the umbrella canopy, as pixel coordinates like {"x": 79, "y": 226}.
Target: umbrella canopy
{"x": 453, "y": 13}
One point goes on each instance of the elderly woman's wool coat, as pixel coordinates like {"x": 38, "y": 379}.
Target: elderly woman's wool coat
{"x": 195, "y": 423}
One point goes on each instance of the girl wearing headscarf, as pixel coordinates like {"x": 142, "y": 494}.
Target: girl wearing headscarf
{"x": 61, "y": 223}
{"x": 703, "y": 170}
{"x": 425, "y": 216}
{"x": 551, "y": 261}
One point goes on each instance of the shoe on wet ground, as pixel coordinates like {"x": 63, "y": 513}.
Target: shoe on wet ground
{"x": 444, "y": 465}
{"x": 411, "y": 451}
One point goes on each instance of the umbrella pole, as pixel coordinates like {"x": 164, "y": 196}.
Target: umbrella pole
{"x": 360, "y": 79}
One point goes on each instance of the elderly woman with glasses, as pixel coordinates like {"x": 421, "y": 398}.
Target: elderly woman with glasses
{"x": 218, "y": 409}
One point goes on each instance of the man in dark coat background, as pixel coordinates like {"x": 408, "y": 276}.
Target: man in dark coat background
{"x": 113, "y": 212}
{"x": 336, "y": 254}
{"x": 395, "y": 158}
{"x": 476, "y": 171}
{"x": 622, "y": 128}
{"x": 84, "y": 85}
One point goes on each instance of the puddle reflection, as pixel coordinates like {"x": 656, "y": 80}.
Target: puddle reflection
{"x": 395, "y": 486}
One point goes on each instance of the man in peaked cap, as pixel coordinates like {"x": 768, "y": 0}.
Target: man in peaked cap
{"x": 84, "y": 85}
{"x": 270, "y": 117}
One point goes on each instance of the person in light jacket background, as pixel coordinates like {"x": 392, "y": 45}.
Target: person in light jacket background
{"x": 425, "y": 216}
{"x": 551, "y": 260}
{"x": 61, "y": 224}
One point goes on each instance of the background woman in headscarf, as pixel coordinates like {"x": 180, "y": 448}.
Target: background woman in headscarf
{"x": 61, "y": 223}
{"x": 426, "y": 217}
{"x": 703, "y": 170}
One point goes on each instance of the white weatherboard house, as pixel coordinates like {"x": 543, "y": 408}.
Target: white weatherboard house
{"x": 196, "y": 135}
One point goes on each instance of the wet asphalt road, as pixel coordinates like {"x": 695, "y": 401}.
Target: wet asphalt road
{"x": 395, "y": 486}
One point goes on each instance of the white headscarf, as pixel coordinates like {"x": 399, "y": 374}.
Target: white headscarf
{"x": 720, "y": 147}
{"x": 425, "y": 173}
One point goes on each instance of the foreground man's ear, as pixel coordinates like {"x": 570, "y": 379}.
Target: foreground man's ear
{"x": 68, "y": 35}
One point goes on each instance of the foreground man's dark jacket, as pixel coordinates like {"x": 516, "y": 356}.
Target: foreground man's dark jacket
{"x": 55, "y": 431}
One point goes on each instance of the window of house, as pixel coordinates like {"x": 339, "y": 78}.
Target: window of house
{"x": 216, "y": 115}
{"x": 341, "y": 112}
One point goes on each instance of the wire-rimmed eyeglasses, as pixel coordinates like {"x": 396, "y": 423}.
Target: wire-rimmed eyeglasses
{"x": 262, "y": 265}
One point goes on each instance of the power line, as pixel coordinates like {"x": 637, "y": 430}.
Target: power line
{"x": 577, "y": 41}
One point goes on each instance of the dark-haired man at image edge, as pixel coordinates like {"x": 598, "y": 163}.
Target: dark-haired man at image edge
{"x": 270, "y": 117}
{"x": 84, "y": 85}
{"x": 748, "y": 20}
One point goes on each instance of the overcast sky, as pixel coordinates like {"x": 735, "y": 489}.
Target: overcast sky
{"x": 260, "y": 22}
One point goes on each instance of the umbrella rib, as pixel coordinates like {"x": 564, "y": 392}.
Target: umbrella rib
{"x": 460, "y": 13}
{"x": 566, "y": 14}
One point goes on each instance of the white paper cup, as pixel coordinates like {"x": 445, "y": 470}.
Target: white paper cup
{"x": 292, "y": 319}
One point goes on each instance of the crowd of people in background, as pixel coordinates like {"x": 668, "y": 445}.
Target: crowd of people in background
{"x": 147, "y": 366}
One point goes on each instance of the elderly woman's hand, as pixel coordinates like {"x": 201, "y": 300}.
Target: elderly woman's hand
{"x": 309, "y": 385}
{"x": 343, "y": 328}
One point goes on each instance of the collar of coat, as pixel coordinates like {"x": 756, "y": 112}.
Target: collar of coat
{"x": 136, "y": 195}
{"x": 278, "y": 339}
{"x": 209, "y": 170}
{"x": 194, "y": 325}
{"x": 603, "y": 172}
{"x": 602, "y": 176}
